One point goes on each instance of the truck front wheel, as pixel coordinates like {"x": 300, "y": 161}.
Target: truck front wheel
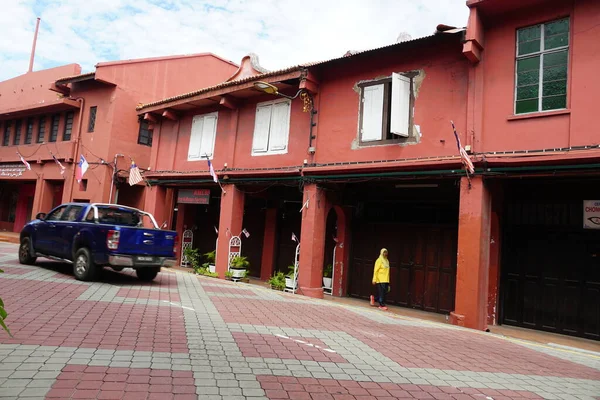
{"x": 147, "y": 274}
{"x": 84, "y": 268}
{"x": 25, "y": 256}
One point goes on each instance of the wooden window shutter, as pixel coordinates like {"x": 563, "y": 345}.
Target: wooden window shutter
{"x": 280, "y": 126}
{"x": 372, "y": 113}
{"x": 262, "y": 123}
{"x": 400, "y": 105}
{"x": 196, "y": 138}
{"x": 209, "y": 130}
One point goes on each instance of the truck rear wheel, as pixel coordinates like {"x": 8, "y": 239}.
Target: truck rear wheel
{"x": 84, "y": 268}
{"x": 25, "y": 256}
{"x": 147, "y": 274}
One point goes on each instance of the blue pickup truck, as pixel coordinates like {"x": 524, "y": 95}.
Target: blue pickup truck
{"x": 93, "y": 236}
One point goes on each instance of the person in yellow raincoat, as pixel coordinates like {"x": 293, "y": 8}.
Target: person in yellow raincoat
{"x": 381, "y": 278}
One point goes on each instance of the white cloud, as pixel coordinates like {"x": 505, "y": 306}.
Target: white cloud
{"x": 281, "y": 32}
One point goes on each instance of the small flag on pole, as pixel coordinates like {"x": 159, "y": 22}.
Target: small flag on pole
{"x": 294, "y": 238}
{"x": 24, "y": 162}
{"x": 82, "y": 167}
{"x": 212, "y": 171}
{"x": 135, "y": 176}
{"x": 62, "y": 167}
{"x": 245, "y": 232}
{"x": 216, "y": 230}
{"x": 466, "y": 160}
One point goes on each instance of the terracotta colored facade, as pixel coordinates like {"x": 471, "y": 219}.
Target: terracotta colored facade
{"x": 63, "y": 96}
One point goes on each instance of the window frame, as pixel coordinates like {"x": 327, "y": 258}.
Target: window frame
{"x": 214, "y": 140}
{"x": 54, "y": 121}
{"x": 30, "y": 122}
{"x": 18, "y": 132}
{"x": 68, "y": 128}
{"x": 150, "y": 133}
{"x": 92, "y": 119}
{"x": 541, "y": 54}
{"x": 6, "y": 131}
{"x": 41, "y": 129}
{"x": 387, "y": 121}
{"x": 270, "y": 152}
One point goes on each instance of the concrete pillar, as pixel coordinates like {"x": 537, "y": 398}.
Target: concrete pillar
{"x": 26, "y": 192}
{"x": 312, "y": 242}
{"x": 342, "y": 251}
{"x": 269, "y": 244}
{"x": 230, "y": 224}
{"x": 470, "y": 309}
{"x": 155, "y": 201}
{"x": 495, "y": 253}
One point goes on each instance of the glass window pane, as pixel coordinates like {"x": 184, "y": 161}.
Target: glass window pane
{"x": 555, "y": 88}
{"x": 527, "y": 34}
{"x": 560, "y": 26}
{"x": 528, "y": 64}
{"x": 554, "y": 102}
{"x": 528, "y": 92}
{"x": 529, "y": 47}
{"x": 526, "y": 106}
{"x": 552, "y": 42}
{"x": 528, "y": 78}
{"x": 555, "y": 73}
{"x": 558, "y": 58}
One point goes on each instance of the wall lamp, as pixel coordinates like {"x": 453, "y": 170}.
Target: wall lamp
{"x": 273, "y": 90}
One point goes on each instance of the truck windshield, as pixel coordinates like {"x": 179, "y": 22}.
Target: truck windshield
{"x": 119, "y": 216}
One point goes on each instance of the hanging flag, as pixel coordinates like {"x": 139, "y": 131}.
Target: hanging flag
{"x": 62, "y": 167}
{"x": 135, "y": 176}
{"x": 294, "y": 238}
{"x": 466, "y": 160}
{"x": 245, "y": 232}
{"x": 212, "y": 171}
{"x": 216, "y": 230}
{"x": 24, "y": 162}
{"x": 82, "y": 167}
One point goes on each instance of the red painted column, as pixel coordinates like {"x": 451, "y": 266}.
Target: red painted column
{"x": 312, "y": 242}
{"x": 342, "y": 252}
{"x": 470, "y": 309}
{"x": 26, "y": 191}
{"x": 495, "y": 254}
{"x": 230, "y": 224}
{"x": 269, "y": 242}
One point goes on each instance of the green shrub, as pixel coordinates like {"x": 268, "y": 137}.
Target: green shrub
{"x": 328, "y": 271}
{"x": 239, "y": 262}
{"x": 3, "y": 315}
{"x": 277, "y": 281}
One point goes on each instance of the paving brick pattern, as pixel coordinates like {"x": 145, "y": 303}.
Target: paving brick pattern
{"x": 183, "y": 337}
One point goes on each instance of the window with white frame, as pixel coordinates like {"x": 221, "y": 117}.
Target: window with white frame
{"x": 386, "y": 109}
{"x": 271, "y": 127}
{"x": 202, "y": 138}
{"x": 541, "y": 67}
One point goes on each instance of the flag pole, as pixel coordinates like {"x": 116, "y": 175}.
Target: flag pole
{"x": 35, "y": 36}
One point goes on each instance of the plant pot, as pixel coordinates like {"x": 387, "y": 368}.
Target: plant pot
{"x": 237, "y": 273}
{"x": 327, "y": 283}
{"x": 212, "y": 268}
{"x": 289, "y": 283}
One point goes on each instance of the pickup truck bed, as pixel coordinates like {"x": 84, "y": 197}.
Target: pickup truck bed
{"x": 92, "y": 236}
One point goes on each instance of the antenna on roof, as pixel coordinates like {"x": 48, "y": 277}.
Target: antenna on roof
{"x": 35, "y": 35}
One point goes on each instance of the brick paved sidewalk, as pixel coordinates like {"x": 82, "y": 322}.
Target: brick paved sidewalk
{"x": 186, "y": 337}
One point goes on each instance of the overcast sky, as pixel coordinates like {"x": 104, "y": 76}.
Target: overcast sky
{"x": 281, "y": 32}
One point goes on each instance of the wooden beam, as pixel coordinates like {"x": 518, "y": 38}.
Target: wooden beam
{"x": 168, "y": 114}
{"x": 229, "y": 102}
{"x": 150, "y": 117}
{"x": 309, "y": 82}
{"x": 62, "y": 89}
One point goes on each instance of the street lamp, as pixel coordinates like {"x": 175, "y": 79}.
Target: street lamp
{"x": 273, "y": 90}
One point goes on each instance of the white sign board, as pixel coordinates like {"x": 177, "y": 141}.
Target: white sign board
{"x": 591, "y": 214}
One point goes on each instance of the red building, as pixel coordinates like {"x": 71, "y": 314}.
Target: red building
{"x": 357, "y": 153}
{"x": 89, "y": 114}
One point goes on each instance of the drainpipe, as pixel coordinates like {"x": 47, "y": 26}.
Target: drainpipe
{"x": 112, "y": 182}
{"x": 81, "y": 101}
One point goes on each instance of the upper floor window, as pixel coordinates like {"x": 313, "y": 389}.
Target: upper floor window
{"x": 6, "y": 137}
{"x": 386, "y": 105}
{"x": 68, "y": 126}
{"x": 145, "y": 134}
{"x": 18, "y": 129}
{"x": 41, "y": 130}
{"x": 271, "y": 127}
{"x": 202, "y": 137}
{"x": 92, "y": 120}
{"x": 54, "y": 128}
{"x": 541, "y": 70}
{"x": 29, "y": 131}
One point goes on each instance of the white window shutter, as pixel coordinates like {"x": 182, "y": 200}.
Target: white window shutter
{"x": 196, "y": 138}
{"x": 280, "y": 126}
{"x": 372, "y": 113}
{"x": 209, "y": 130}
{"x": 400, "y": 105}
{"x": 260, "y": 142}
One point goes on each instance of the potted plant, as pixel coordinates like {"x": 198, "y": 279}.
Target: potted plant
{"x": 277, "y": 281}
{"x": 192, "y": 257}
{"x": 210, "y": 261}
{"x": 289, "y": 278}
{"x": 238, "y": 267}
{"x": 327, "y": 276}
{"x": 228, "y": 275}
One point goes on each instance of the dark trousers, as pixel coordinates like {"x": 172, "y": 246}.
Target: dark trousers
{"x": 382, "y": 289}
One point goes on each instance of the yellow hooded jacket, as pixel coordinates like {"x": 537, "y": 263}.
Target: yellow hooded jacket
{"x": 381, "y": 273}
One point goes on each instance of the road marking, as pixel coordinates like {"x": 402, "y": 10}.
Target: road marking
{"x": 305, "y": 343}
{"x": 178, "y": 305}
